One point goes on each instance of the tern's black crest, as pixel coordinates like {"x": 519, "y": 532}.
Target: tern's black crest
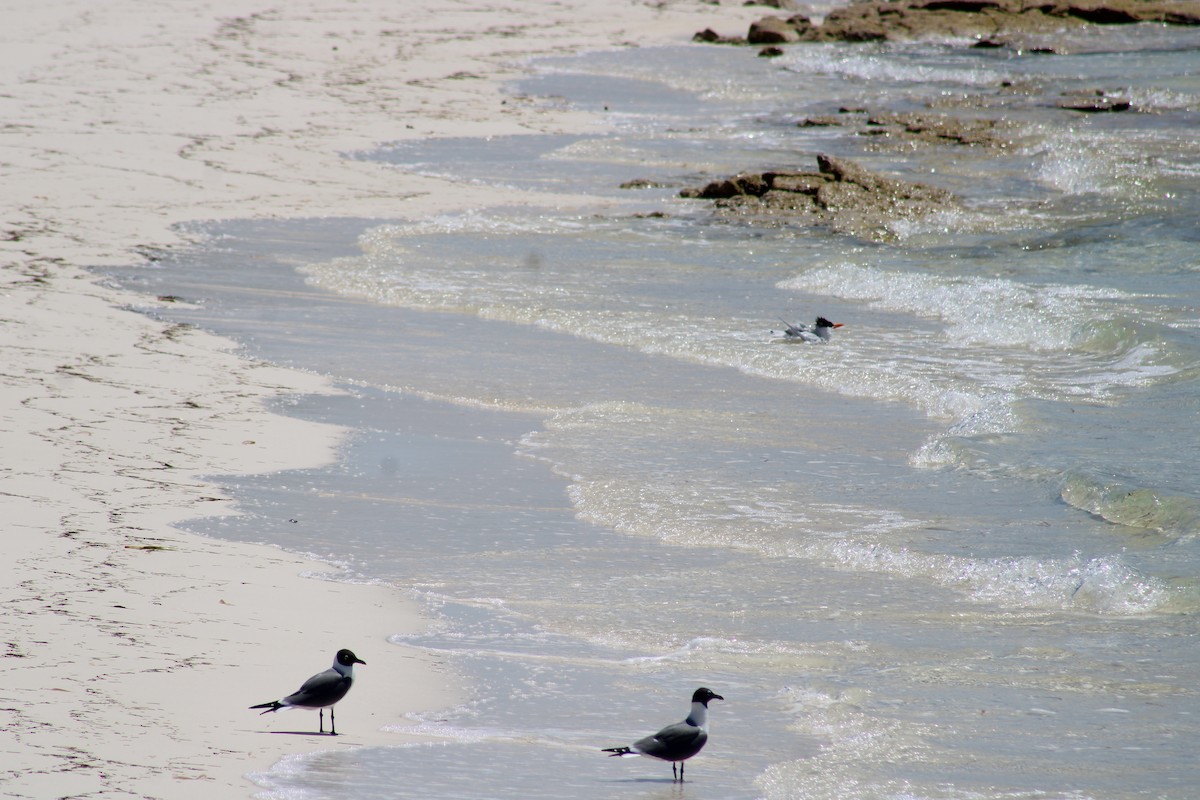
{"x": 823, "y": 323}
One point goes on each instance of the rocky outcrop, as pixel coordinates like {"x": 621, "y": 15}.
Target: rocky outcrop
{"x": 878, "y": 20}
{"x": 841, "y": 195}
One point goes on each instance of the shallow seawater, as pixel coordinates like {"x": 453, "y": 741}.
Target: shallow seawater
{"x": 951, "y": 553}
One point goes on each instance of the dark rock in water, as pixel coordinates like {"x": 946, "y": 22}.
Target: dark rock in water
{"x": 1188, "y": 15}
{"x": 772, "y": 30}
{"x": 1095, "y": 103}
{"x": 841, "y": 194}
{"x": 712, "y": 37}
{"x": 744, "y": 183}
{"x": 770, "y": 52}
{"x": 782, "y": 5}
{"x": 990, "y": 21}
{"x": 1105, "y": 14}
{"x": 856, "y": 23}
{"x": 821, "y": 121}
{"x": 917, "y": 18}
{"x": 966, "y": 6}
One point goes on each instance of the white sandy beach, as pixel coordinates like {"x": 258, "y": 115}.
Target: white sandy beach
{"x": 133, "y": 649}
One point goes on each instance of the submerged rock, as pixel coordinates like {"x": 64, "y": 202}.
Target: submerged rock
{"x": 1095, "y": 102}
{"x": 914, "y": 129}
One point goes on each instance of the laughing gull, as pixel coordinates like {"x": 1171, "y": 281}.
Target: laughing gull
{"x": 322, "y": 690}
{"x": 819, "y": 331}
{"x": 678, "y": 742}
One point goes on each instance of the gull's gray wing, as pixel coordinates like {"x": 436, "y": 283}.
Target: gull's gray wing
{"x": 323, "y": 689}
{"x": 676, "y": 742}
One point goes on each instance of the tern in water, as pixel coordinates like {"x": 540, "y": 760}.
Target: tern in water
{"x": 678, "y": 742}
{"x": 817, "y": 332}
{"x": 322, "y": 690}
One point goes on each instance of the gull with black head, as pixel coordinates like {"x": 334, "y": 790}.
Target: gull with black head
{"x": 675, "y": 743}
{"x": 322, "y": 690}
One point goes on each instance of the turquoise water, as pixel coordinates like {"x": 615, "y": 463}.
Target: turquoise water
{"x": 950, "y": 554}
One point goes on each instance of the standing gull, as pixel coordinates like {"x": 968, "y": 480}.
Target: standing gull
{"x": 322, "y": 690}
{"x": 678, "y": 742}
